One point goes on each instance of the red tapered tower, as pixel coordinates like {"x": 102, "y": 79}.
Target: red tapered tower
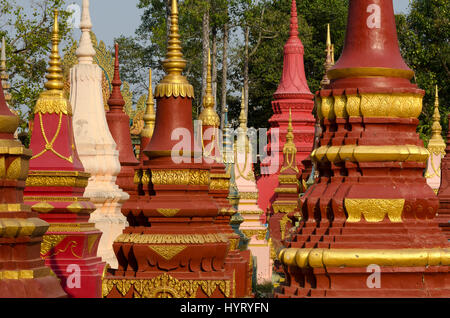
{"x": 119, "y": 125}
{"x": 371, "y": 210}
{"x": 292, "y": 93}
{"x": 173, "y": 247}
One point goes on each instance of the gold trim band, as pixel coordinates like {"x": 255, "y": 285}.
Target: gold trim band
{"x": 322, "y": 258}
{"x": 354, "y": 153}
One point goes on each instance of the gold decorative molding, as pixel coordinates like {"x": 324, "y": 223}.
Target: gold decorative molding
{"x": 168, "y": 212}
{"x": 284, "y": 206}
{"x": 49, "y": 242}
{"x": 26, "y": 274}
{"x": 165, "y": 286}
{"x": 260, "y": 233}
{"x": 354, "y": 153}
{"x": 17, "y": 227}
{"x": 219, "y": 184}
{"x": 43, "y": 207}
{"x": 14, "y": 207}
{"x": 323, "y": 258}
{"x": 75, "y": 179}
{"x": 248, "y": 195}
{"x": 283, "y": 222}
{"x": 71, "y": 227}
{"x": 374, "y": 210}
{"x": 370, "y": 105}
{"x": 167, "y": 251}
{"x": 288, "y": 179}
{"x": 286, "y": 190}
{"x": 171, "y": 238}
{"x": 181, "y": 177}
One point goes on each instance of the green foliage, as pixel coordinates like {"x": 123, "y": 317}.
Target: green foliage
{"x": 264, "y": 290}
{"x": 267, "y": 63}
{"x": 424, "y": 39}
{"x": 27, "y": 32}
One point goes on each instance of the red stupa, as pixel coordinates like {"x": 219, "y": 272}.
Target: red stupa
{"x": 23, "y": 273}
{"x": 292, "y": 93}
{"x": 173, "y": 247}
{"x": 55, "y": 188}
{"x": 368, "y": 226}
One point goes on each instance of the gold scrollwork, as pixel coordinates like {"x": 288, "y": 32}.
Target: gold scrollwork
{"x": 374, "y": 210}
{"x": 57, "y": 179}
{"x": 168, "y": 212}
{"x": 259, "y": 233}
{"x": 164, "y": 286}
{"x": 167, "y": 251}
{"x": 370, "y": 105}
{"x": 181, "y": 177}
{"x": 171, "y": 238}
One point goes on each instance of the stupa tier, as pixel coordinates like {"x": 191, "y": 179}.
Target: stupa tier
{"x": 96, "y": 147}
{"x": 55, "y": 187}
{"x": 219, "y": 188}
{"x": 248, "y": 207}
{"x": 443, "y": 215}
{"x": 292, "y": 93}
{"x": 23, "y": 273}
{"x": 172, "y": 247}
{"x": 368, "y": 226}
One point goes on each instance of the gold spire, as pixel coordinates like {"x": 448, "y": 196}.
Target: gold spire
{"x": 328, "y": 37}
{"x": 3, "y": 73}
{"x": 53, "y": 100}
{"x": 436, "y": 144}
{"x": 149, "y": 116}
{"x": 174, "y": 84}
{"x": 329, "y": 61}
{"x": 208, "y": 115}
{"x": 289, "y": 149}
{"x": 242, "y": 117}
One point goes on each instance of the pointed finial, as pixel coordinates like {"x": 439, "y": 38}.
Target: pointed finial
{"x": 329, "y": 61}
{"x": 149, "y": 116}
{"x": 53, "y": 100}
{"x": 242, "y": 117}
{"x": 208, "y": 115}
{"x": 116, "y": 101}
{"x": 328, "y": 36}
{"x": 436, "y": 144}
{"x": 54, "y": 72}
{"x": 293, "y": 28}
{"x": 3, "y": 72}
{"x": 174, "y": 84}
{"x": 85, "y": 51}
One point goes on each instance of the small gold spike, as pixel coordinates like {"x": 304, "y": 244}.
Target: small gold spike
{"x": 242, "y": 117}
{"x": 149, "y": 116}
{"x": 208, "y": 115}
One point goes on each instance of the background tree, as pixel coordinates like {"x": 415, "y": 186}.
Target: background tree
{"x": 27, "y": 32}
{"x": 424, "y": 35}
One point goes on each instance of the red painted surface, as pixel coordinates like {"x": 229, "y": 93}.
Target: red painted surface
{"x": 443, "y": 215}
{"x": 73, "y": 249}
{"x": 20, "y": 253}
{"x": 197, "y": 214}
{"x": 292, "y": 93}
{"x": 119, "y": 126}
{"x": 324, "y": 223}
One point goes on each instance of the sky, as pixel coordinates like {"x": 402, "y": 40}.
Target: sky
{"x": 112, "y": 18}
